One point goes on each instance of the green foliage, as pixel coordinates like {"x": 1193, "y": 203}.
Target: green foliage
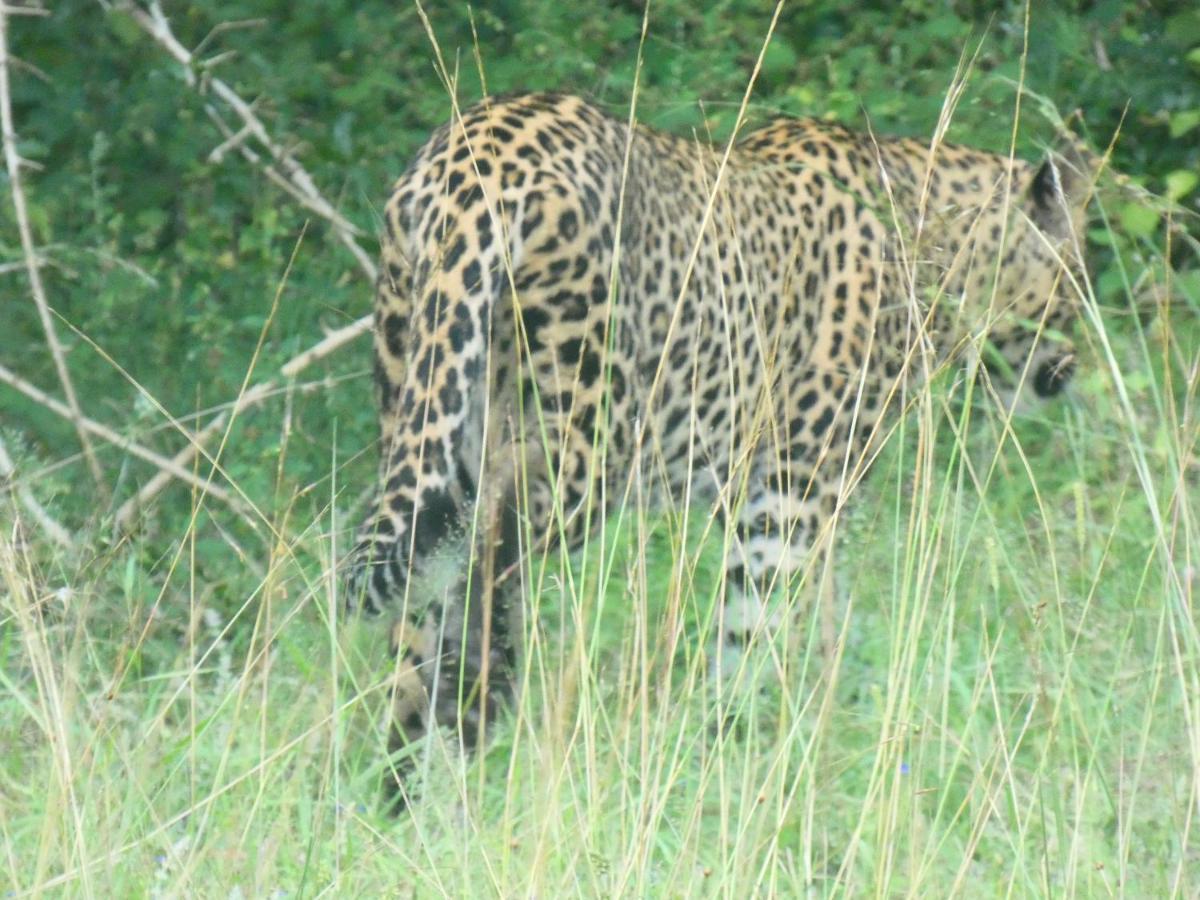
{"x": 155, "y": 240}
{"x": 169, "y": 262}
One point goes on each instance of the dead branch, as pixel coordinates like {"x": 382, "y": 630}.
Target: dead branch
{"x": 39, "y": 396}
{"x": 22, "y": 266}
{"x": 224, "y": 27}
{"x": 6, "y": 10}
{"x": 238, "y": 140}
{"x": 330, "y": 343}
{"x": 45, "y": 521}
{"x": 13, "y": 162}
{"x": 299, "y": 183}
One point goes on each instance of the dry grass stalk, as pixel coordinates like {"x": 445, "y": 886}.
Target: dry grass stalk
{"x": 33, "y": 268}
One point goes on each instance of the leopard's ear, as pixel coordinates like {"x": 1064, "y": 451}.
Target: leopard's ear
{"x": 1061, "y": 187}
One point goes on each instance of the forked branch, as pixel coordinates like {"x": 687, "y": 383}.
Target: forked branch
{"x": 285, "y": 170}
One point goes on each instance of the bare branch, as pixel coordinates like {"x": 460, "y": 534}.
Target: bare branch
{"x": 45, "y": 521}
{"x": 37, "y": 395}
{"x": 238, "y": 140}
{"x": 233, "y": 142}
{"x": 13, "y": 162}
{"x": 23, "y": 266}
{"x": 6, "y": 10}
{"x": 301, "y": 185}
{"x": 224, "y": 27}
{"x": 331, "y": 342}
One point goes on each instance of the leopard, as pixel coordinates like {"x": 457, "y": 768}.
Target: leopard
{"x": 570, "y": 301}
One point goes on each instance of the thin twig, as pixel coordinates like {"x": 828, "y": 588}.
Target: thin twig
{"x": 13, "y": 162}
{"x": 22, "y": 266}
{"x": 298, "y": 182}
{"x": 48, "y": 524}
{"x": 6, "y": 10}
{"x": 224, "y": 27}
{"x": 37, "y": 395}
{"x": 233, "y": 142}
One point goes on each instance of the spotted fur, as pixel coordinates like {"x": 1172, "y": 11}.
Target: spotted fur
{"x": 565, "y": 301}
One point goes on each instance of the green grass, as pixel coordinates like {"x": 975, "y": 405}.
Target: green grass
{"x": 1013, "y": 713}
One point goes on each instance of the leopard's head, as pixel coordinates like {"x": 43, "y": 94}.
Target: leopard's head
{"x": 1020, "y": 275}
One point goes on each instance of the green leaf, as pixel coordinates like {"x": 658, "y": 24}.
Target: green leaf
{"x": 1138, "y": 220}
{"x": 944, "y": 27}
{"x": 1183, "y": 28}
{"x": 1184, "y": 121}
{"x": 1180, "y": 183}
{"x": 1110, "y": 285}
{"x": 1188, "y": 284}
{"x": 1103, "y": 237}
{"x": 779, "y": 60}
